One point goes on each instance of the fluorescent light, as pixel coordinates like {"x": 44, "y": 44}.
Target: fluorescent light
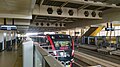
{"x": 7, "y": 26}
{"x": 49, "y": 33}
{"x": 28, "y": 34}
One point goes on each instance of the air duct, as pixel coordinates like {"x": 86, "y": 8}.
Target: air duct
{"x": 48, "y": 24}
{"x": 37, "y": 24}
{"x": 86, "y": 13}
{"x": 41, "y": 24}
{"x": 100, "y": 14}
{"x": 64, "y": 24}
{"x": 60, "y": 25}
{"x": 71, "y": 12}
{"x": 56, "y": 24}
{"x": 50, "y": 10}
{"x": 93, "y": 14}
{"x": 59, "y": 11}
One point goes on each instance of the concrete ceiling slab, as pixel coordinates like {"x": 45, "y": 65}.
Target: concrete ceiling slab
{"x": 16, "y": 8}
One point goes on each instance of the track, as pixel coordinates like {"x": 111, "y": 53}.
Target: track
{"x": 111, "y": 58}
{"x": 79, "y": 63}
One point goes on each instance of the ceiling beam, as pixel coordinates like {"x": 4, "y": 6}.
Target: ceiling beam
{"x": 77, "y": 13}
{"x": 100, "y": 8}
{"x": 41, "y": 2}
{"x": 61, "y": 20}
{"x": 84, "y": 6}
{"x": 88, "y": 2}
{"x": 108, "y": 16}
{"x": 34, "y": 19}
{"x": 64, "y": 4}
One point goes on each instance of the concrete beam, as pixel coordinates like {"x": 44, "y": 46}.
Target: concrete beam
{"x": 16, "y": 22}
{"x": 108, "y": 16}
{"x": 77, "y": 13}
{"x": 89, "y": 2}
{"x": 16, "y": 16}
{"x": 21, "y": 9}
{"x": 112, "y": 15}
{"x": 83, "y": 22}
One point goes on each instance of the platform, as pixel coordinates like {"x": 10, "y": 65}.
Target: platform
{"x": 117, "y": 52}
{"x": 92, "y": 47}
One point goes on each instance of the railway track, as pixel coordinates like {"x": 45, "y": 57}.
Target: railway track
{"x": 115, "y": 60}
{"x": 79, "y": 63}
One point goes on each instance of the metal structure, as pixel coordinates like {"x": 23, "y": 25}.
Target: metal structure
{"x": 70, "y": 13}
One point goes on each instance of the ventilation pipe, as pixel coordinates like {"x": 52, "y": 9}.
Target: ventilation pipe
{"x": 12, "y": 21}
{"x": 4, "y": 21}
{"x": 111, "y": 25}
{"x": 107, "y": 25}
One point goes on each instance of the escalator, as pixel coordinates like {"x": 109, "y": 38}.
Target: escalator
{"x": 97, "y": 31}
{"x": 92, "y": 31}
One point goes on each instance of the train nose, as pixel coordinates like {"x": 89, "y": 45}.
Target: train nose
{"x": 66, "y": 64}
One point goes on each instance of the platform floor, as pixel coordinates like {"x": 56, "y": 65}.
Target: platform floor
{"x": 92, "y": 47}
{"x": 11, "y": 58}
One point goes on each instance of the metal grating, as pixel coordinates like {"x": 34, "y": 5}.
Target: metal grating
{"x": 92, "y": 7}
{"x": 106, "y": 8}
{"x": 52, "y": 3}
{"x": 73, "y": 5}
{"x": 43, "y": 29}
{"x": 108, "y": 1}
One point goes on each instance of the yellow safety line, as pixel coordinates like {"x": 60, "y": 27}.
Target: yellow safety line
{"x": 97, "y": 31}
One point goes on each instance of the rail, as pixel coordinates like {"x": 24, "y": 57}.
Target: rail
{"x": 43, "y": 59}
{"x": 94, "y": 60}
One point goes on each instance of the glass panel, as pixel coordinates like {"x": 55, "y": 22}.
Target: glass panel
{"x": 38, "y": 59}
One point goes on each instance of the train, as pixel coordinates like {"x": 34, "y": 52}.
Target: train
{"x": 105, "y": 44}
{"x": 61, "y": 46}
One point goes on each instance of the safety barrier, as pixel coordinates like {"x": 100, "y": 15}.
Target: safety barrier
{"x": 43, "y": 59}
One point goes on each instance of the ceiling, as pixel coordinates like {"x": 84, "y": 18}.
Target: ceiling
{"x": 16, "y": 8}
{"x": 69, "y": 4}
{"x": 24, "y": 9}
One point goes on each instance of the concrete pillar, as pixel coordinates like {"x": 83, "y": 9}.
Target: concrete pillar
{"x": 1, "y": 40}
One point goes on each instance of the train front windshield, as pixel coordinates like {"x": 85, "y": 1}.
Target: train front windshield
{"x": 62, "y": 44}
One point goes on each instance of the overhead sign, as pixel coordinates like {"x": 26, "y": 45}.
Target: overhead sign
{"x": 8, "y": 27}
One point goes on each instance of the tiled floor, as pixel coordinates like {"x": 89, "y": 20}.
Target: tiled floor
{"x": 11, "y": 59}
{"x": 8, "y": 58}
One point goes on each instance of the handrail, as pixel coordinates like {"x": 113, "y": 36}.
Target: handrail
{"x": 52, "y": 62}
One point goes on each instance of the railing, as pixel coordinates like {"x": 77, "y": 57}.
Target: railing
{"x": 43, "y": 59}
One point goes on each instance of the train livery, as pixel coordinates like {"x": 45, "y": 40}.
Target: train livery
{"x": 61, "y": 45}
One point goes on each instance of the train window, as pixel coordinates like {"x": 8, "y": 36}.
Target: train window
{"x": 62, "y": 44}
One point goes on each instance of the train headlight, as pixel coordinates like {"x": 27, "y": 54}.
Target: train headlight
{"x": 63, "y": 54}
{"x": 72, "y": 60}
{"x": 55, "y": 52}
{"x": 72, "y": 52}
{"x": 67, "y": 64}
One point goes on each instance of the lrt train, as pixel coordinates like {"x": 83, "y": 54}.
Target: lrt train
{"x": 61, "y": 45}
